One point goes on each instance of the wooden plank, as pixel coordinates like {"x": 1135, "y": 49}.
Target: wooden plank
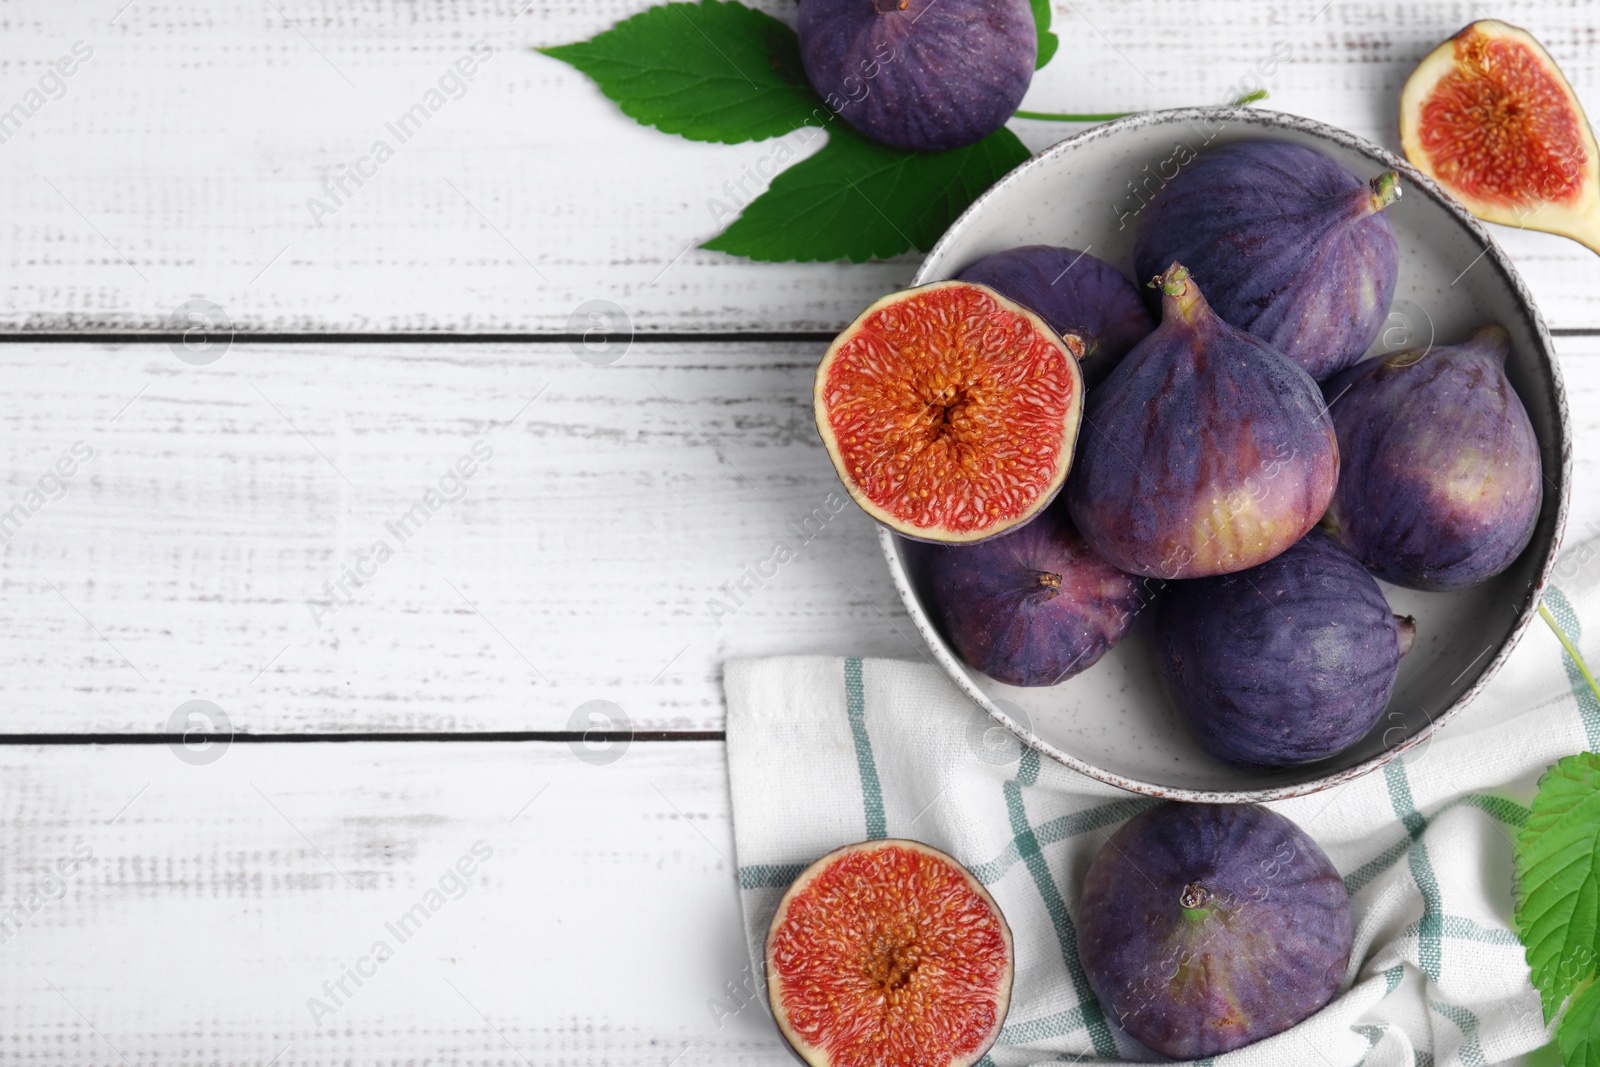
{"x": 252, "y": 534}
{"x": 635, "y": 526}
{"x": 191, "y": 913}
{"x": 183, "y": 157}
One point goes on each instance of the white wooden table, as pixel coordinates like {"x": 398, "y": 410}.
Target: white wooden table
{"x": 396, "y": 717}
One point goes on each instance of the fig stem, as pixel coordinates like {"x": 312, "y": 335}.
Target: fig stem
{"x": 1194, "y": 896}
{"x": 1058, "y": 116}
{"x": 1385, "y": 189}
{"x": 1492, "y": 340}
{"x": 1572, "y": 650}
{"x": 1174, "y": 281}
{"x": 1076, "y": 344}
{"x": 1408, "y": 633}
{"x": 1180, "y": 296}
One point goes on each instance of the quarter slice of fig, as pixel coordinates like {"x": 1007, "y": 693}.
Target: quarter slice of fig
{"x": 1489, "y": 116}
{"x": 889, "y": 954}
{"x": 950, "y": 412}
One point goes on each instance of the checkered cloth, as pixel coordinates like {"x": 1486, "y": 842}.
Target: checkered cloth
{"x": 823, "y": 751}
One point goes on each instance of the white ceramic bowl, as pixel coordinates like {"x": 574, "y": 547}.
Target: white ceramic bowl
{"x": 1113, "y": 722}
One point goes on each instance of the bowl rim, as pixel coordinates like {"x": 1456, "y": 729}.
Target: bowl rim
{"x": 1546, "y": 357}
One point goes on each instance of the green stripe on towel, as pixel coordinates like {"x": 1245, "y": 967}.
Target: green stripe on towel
{"x": 1059, "y": 829}
{"x": 1467, "y": 1023}
{"x": 1432, "y": 923}
{"x": 871, "y": 791}
{"x": 1507, "y": 811}
{"x": 1057, "y": 1025}
{"x": 769, "y": 875}
{"x": 1430, "y": 928}
{"x": 1054, "y": 905}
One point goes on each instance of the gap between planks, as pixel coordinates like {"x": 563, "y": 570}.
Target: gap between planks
{"x": 424, "y": 337}
{"x": 374, "y": 736}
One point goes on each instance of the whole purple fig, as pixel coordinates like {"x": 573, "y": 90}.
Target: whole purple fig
{"x": 1204, "y": 927}
{"x": 924, "y": 75}
{"x": 1289, "y": 245}
{"x": 1075, "y": 293}
{"x": 1033, "y": 606}
{"x": 1285, "y": 663}
{"x": 1442, "y": 480}
{"x": 1203, "y": 452}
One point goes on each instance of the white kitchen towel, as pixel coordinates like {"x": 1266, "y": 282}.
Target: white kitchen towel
{"x": 823, "y": 751}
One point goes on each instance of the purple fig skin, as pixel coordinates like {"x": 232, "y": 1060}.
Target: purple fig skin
{"x": 1289, "y": 245}
{"x": 923, "y": 75}
{"x": 1442, "y": 480}
{"x": 1076, "y": 294}
{"x": 1204, "y": 451}
{"x": 1204, "y": 927}
{"x": 1288, "y": 662}
{"x": 1033, "y": 606}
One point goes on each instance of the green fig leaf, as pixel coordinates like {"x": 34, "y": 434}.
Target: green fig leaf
{"x": 1558, "y": 881}
{"x": 708, "y": 71}
{"x": 859, "y": 200}
{"x": 1048, "y": 42}
{"x": 1578, "y": 1036}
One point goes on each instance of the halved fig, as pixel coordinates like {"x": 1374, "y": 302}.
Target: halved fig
{"x": 889, "y": 954}
{"x": 1489, "y": 116}
{"x": 950, "y": 412}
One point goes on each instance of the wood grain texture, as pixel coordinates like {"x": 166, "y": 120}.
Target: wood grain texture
{"x": 635, "y": 526}
{"x": 203, "y": 908}
{"x": 183, "y": 157}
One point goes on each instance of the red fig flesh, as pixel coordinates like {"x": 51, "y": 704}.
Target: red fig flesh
{"x": 889, "y": 954}
{"x": 950, "y": 412}
{"x": 1489, "y": 116}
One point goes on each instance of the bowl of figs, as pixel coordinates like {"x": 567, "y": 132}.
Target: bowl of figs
{"x": 1217, "y": 453}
